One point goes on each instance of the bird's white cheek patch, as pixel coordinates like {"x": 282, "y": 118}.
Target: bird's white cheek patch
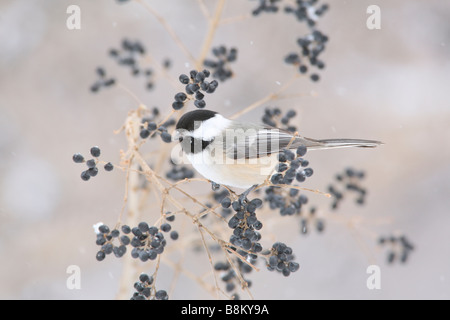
{"x": 211, "y": 128}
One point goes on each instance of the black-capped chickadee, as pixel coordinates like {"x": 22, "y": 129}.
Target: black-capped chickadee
{"x": 240, "y": 154}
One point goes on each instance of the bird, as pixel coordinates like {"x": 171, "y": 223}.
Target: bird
{"x": 242, "y": 154}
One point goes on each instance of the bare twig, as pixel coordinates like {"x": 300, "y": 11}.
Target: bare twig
{"x": 169, "y": 29}
{"x": 213, "y": 24}
{"x": 204, "y": 9}
{"x": 270, "y": 97}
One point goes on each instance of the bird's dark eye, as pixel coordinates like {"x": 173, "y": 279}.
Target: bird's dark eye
{"x": 180, "y": 139}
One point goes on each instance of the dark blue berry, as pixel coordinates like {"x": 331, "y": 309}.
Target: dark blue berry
{"x": 78, "y": 158}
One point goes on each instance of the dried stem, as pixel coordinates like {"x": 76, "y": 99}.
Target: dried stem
{"x": 169, "y": 30}
{"x": 270, "y": 97}
{"x": 204, "y": 9}
{"x": 213, "y": 24}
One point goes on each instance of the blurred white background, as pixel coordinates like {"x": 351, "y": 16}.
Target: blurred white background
{"x": 389, "y": 84}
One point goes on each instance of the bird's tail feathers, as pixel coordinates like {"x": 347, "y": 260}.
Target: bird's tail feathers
{"x": 339, "y": 143}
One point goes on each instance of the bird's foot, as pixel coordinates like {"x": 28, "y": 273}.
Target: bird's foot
{"x": 243, "y": 196}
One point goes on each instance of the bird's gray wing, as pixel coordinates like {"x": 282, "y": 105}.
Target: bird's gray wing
{"x": 256, "y": 141}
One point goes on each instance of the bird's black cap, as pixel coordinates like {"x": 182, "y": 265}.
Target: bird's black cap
{"x": 187, "y": 121}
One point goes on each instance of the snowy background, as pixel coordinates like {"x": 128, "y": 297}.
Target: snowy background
{"x": 389, "y": 85}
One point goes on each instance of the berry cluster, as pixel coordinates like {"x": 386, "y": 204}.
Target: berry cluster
{"x": 274, "y": 117}
{"x": 319, "y": 223}
{"x": 280, "y": 259}
{"x": 149, "y": 127}
{"x": 145, "y": 289}
{"x": 128, "y": 56}
{"x": 312, "y": 44}
{"x": 350, "y": 181}
{"x": 400, "y": 248}
{"x": 178, "y": 172}
{"x": 147, "y": 241}
{"x": 92, "y": 170}
{"x": 103, "y": 81}
{"x": 306, "y": 11}
{"x": 228, "y": 275}
{"x": 244, "y": 223}
{"x": 220, "y": 67}
{"x": 289, "y": 202}
{"x": 219, "y": 196}
{"x": 196, "y": 87}
{"x": 291, "y": 167}
{"x": 105, "y": 239}
{"x": 268, "y": 6}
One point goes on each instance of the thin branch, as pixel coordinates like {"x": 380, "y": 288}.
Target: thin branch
{"x": 213, "y": 24}
{"x": 269, "y": 97}
{"x": 169, "y": 30}
{"x": 204, "y": 10}
{"x": 130, "y": 93}
{"x": 200, "y": 226}
{"x": 235, "y": 19}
